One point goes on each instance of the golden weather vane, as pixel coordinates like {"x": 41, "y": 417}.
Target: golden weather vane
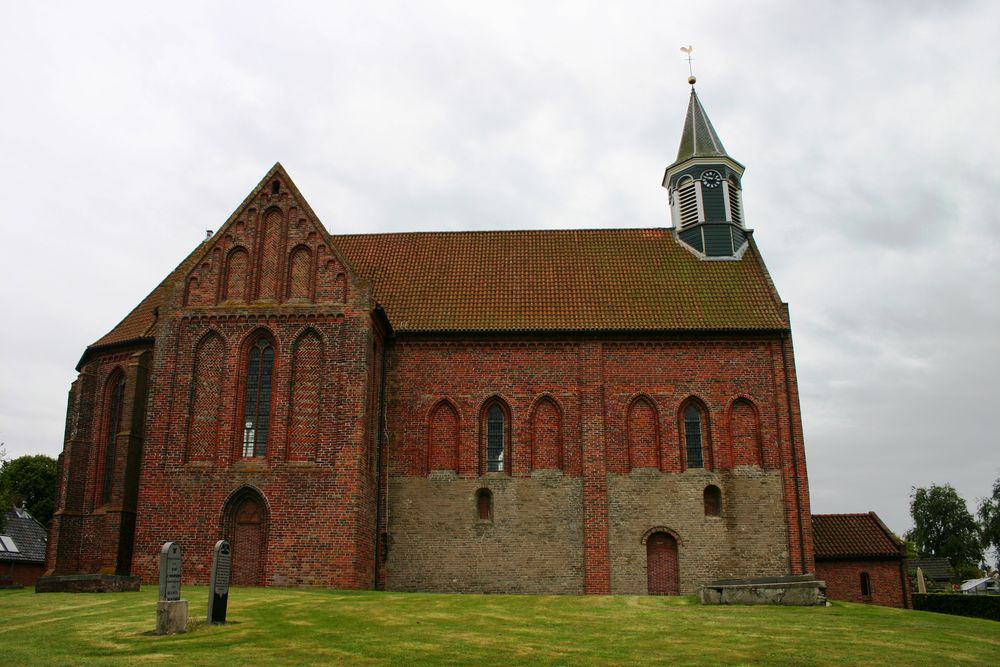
{"x": 688, "y": 49}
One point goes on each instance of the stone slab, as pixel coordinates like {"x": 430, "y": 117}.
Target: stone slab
{"x": 796, "y": 590}
{"x": 171, "y": 617}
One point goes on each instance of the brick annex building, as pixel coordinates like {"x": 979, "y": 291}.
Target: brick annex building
{"x": 586, "y": 411}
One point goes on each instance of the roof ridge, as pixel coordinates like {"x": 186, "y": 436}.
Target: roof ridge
{"x": 455, "y": 232}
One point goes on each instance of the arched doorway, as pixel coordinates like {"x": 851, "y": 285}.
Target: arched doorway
{"x": 661, "y": 564}
{"x": 246, "y": 530}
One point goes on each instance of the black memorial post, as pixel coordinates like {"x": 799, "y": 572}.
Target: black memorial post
{"x": 218, "y": 594}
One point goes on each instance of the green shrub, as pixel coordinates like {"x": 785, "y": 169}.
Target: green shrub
{"x": 978, "y": 606}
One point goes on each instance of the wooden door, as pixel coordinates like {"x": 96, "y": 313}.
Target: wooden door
{"x": 661, "y": 565}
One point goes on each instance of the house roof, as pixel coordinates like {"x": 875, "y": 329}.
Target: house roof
{"x": 28, "y": 537}
{"x": 853, "y": 536}
{"x": 938, "y": 569}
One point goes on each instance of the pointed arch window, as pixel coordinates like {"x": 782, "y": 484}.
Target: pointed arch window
{"x": 114, "y": 425}
{"x": 693, "y": 436}
{"x": 496, "y": 436}
{"x": 257, "y": 401}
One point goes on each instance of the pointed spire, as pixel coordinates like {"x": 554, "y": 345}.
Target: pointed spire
{"x": 699, "y": 138}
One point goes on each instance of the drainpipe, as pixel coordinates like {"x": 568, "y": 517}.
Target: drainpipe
{"x": 381, "y": 489}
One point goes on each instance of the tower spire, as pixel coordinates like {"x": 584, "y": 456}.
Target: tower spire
{"x": 699, "y": 138}
{"x": 705, "y": 188}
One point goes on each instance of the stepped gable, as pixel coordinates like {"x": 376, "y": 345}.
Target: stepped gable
{"x": 853, "y": 535}
{"x": 560, "y": 280}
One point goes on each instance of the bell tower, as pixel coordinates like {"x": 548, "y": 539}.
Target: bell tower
{"x": 706, "y": 206}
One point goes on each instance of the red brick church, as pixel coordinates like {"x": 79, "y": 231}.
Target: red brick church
{"x": 552, "y": 411}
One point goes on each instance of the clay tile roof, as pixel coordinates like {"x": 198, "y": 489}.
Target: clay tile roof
{"x": 560, "y": 280}
{"x": 552, "y": 280}
{"x": 852, "y": 535}
{"x": 139, "y": 323}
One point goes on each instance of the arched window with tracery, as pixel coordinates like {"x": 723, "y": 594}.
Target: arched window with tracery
{"x": 116, "y": 398}
{"x": 257, "y": 399}
{"x": 693, "y": 436}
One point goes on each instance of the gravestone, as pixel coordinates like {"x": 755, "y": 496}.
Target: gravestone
{"x": 218, "y": 592}
{"x": 171, "y": 610}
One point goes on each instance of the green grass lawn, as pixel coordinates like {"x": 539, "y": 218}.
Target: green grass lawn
{"x": 284, "y": 626}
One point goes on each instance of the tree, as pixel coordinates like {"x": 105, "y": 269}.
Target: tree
{"x": 34, "y": 479}
{"x": 943, "y": 527}
{"x": 989, "y": 522}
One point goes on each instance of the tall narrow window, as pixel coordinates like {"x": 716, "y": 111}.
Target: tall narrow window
{"x": 866, "y": 586}
{"x": 114, "y": 424}
{"x": 257, "y": 407}
{"x": 495, "y": 437}
{"x": 713, "y": 500}
{"x": 692, "y": 437}
{"x": 484, "y": 505}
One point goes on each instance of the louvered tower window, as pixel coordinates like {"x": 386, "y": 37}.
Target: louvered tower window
{"x": 114, "y": 424}
{"x": 687, "y": 202}
{"x": 692, "y": 437}
{"x": 735, "y": 203}
{"x": 257, "y": 406}
{"x": 495, "y": 437}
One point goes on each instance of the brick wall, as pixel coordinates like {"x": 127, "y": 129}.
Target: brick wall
{"x": 748, "y": 539}
{"x": 616, "y": 414}
{"x": 843, "y": 581}
{"x": 16, "y": 572}
{"x": 533, "y": 544}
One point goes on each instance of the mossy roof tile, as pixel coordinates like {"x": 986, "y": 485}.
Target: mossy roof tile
{"x": 852, "y": 535}
{"x": 552, "y": 280}
{"x": 560, "y": 280}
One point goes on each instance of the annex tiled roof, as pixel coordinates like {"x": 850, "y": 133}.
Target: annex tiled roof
{"x": 852, "y": 535}
{"x": 28, "y": 536}
{"x": 553, "y": 280}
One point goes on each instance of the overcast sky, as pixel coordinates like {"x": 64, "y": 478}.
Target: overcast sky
{"x": 869, "y": 132}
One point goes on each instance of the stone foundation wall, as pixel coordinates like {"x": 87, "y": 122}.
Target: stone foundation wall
{"x": 748, "y": 539}
{"x": 534, "y": 543}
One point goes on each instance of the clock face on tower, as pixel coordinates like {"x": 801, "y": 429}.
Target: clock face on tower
{"x": 711, "y": 178}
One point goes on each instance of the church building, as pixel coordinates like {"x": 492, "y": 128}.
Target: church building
{"x": 553, "y": 411}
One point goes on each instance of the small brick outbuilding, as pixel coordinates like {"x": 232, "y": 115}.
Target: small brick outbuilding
{"x": 860, "y": 559}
